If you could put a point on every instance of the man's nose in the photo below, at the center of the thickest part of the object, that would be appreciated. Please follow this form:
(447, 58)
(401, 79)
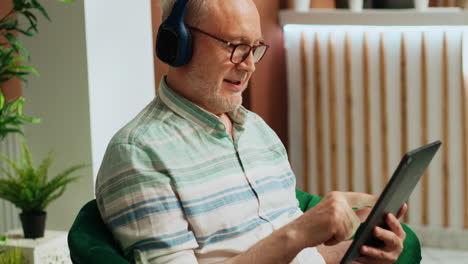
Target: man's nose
(248, 64)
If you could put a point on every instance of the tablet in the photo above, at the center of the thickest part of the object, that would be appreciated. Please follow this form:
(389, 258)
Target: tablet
(395, 194)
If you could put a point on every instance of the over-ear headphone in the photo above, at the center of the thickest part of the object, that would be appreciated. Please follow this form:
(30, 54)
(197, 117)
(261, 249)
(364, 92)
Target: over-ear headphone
(174, 42)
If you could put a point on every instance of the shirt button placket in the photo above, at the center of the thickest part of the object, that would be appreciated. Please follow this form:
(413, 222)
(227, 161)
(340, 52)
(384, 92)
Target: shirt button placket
(252, 183)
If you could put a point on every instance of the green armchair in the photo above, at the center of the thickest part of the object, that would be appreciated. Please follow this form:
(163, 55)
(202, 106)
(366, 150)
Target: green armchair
(91, 242)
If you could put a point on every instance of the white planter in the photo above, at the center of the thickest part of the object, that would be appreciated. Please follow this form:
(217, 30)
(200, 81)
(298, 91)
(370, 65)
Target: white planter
(421, 5)
(301, 5)
(355, 5)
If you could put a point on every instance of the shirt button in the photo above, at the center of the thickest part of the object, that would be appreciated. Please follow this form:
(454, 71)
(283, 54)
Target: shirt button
(221, 127)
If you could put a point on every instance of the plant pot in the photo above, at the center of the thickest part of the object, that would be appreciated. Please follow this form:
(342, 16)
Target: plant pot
(393, 3)
(33, 223)
(345, 4)
(378, 4)
(301, 5)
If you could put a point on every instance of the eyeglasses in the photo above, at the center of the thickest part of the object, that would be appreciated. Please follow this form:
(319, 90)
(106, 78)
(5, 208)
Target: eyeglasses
(240, 52)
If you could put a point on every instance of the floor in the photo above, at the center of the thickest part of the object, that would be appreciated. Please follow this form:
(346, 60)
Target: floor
(444, 256)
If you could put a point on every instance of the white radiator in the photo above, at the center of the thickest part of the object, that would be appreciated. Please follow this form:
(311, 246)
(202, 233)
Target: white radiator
(9, 218)
(361, 96)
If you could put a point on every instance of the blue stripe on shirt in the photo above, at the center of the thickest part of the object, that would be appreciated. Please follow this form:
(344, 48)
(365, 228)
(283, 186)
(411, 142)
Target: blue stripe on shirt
(287, 181)
(144, 211)
(237, 197)
(245, 227)
(157, 243)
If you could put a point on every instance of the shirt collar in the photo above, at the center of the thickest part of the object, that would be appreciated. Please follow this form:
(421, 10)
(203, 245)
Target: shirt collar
(188, 110)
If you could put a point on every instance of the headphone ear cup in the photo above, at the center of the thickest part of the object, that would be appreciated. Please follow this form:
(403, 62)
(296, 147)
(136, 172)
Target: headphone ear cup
(167, 44)
(174, 41)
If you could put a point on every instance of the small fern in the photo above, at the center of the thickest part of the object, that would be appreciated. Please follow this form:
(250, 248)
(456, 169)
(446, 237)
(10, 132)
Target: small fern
(28, 187)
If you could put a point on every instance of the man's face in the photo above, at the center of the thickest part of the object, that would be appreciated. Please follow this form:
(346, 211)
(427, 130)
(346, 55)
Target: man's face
(217, 83)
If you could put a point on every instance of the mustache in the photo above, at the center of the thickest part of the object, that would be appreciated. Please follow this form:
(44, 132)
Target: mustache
(240, 75)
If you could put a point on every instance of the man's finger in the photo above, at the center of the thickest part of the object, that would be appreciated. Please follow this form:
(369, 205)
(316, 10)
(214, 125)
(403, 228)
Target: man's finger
(359, 200)
(368, 260)
(402, 211)
(395, 226)
(378, 254)
(391, 240)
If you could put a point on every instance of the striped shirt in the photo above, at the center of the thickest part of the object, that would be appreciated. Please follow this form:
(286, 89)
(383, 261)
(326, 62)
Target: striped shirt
(174, 187)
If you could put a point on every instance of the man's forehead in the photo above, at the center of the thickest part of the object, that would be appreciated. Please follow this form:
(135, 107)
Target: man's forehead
(235, 20)
(244, 39)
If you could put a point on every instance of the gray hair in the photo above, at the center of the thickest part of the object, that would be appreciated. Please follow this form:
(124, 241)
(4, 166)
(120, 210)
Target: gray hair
(196, 10)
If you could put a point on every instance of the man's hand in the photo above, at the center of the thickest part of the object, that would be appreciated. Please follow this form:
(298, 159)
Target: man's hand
(332, 220)
(392, 238)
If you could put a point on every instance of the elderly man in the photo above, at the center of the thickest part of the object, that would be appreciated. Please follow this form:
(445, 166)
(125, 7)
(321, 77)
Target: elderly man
(197, 178)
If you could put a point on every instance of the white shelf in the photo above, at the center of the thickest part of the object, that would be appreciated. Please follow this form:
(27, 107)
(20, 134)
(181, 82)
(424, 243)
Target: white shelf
(376, 17)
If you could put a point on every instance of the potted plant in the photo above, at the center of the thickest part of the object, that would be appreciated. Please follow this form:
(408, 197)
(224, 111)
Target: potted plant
(29, 188)
(13, 54)
(32, 191)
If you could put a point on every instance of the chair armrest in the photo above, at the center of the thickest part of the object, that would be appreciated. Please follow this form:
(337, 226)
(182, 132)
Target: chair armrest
(90, 241)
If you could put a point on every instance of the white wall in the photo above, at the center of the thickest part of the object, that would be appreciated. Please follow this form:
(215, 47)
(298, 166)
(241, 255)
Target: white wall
(120, 66)
(95, 76)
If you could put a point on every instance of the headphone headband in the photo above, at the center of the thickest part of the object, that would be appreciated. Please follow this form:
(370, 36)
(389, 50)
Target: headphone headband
(178, 10)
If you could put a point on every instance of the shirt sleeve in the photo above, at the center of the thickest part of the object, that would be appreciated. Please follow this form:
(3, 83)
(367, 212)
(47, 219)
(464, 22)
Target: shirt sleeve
(138, 204)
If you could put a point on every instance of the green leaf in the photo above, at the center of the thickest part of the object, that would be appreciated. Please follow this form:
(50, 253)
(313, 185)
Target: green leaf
(30, 119)
(41, 9)
(7, 55)
(44, 166)
(18, 102)
(2, 100)
(15, 122)
(6, 108)
(30, 15)
(10, 26)
(20, 58)
(7, 173)
(17, 74)
(10, 37)
(19, 68)
(16, 168)
(19, 110)
(32, 20)
(22, 49)
(27, 157)
(67, 172)
(7, 18)
(27, 32)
